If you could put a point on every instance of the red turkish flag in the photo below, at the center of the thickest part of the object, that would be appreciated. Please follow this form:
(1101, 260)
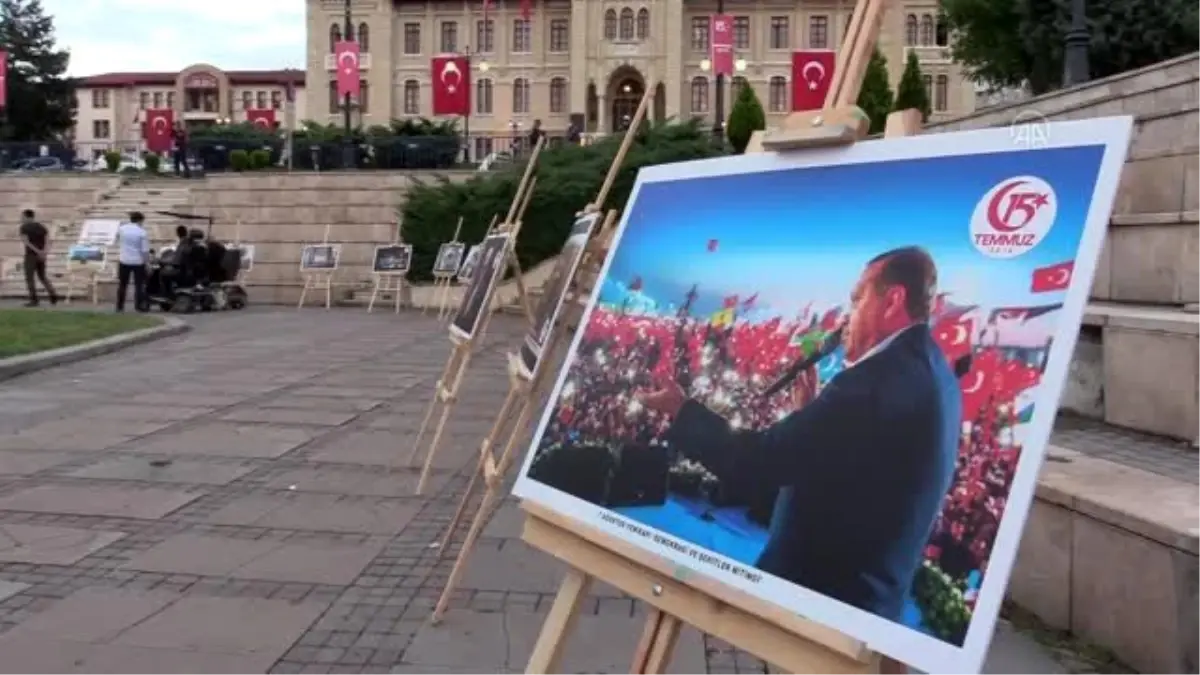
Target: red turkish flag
(1053, 278)
(812, 73)
(720, 41)
(157, 129)
(978, 385)
(3, 79)
(261, 118)
(451, 85)
(526, 9)
(954, 337)
(346, 56)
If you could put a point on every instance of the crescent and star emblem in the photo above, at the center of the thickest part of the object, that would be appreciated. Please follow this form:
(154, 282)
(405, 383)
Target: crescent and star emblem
(159, 123)
(1061, 277)
(450, 70)
(813, 82)
(976, 384)
(352, 60)
(960, 334)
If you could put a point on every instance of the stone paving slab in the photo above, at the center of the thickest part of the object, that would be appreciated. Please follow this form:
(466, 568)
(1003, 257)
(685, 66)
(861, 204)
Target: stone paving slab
(10, 588)
(177, 400)
(44, 545)
(143, 412)
(163, 471)
(325, 513)
(78, 433)
(282, 416)
(320, 403)
(369, 448)
(26, 462)
(222, 439)
(354, 481)
(99, 500)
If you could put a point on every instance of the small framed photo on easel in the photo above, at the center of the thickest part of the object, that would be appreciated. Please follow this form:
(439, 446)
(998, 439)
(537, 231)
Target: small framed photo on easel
(493, 255)
(320, 257)
(392, 259)
(449, 259)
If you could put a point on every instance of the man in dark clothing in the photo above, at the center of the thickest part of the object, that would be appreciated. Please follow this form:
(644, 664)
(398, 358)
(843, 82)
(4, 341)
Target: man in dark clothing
(535, 134)
(179, 139)
(35, 239)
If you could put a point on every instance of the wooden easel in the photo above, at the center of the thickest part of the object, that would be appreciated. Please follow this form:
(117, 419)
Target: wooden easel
(448, 385)
(677, 595)
(443, 280)
(522, 391)
(318, 280)
(391, 282)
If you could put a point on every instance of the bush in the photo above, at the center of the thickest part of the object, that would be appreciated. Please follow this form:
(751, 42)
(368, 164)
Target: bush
(745, 118)
(875, 96)
(153, 162)
(911, 92)
(569, 176)
(239, 159)
(112, 160)
(260, 158)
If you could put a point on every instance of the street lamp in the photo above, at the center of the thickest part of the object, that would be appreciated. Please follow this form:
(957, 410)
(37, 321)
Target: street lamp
(1075, 58)
(347, 141)
(706, 65)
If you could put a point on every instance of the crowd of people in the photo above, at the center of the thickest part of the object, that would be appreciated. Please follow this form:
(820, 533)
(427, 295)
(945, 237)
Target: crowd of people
(728, 367)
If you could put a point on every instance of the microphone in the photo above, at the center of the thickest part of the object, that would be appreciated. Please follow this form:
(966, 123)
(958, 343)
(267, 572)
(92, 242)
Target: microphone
(830, 344)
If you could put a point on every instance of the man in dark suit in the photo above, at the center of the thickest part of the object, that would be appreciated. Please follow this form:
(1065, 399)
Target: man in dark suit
(863, 466)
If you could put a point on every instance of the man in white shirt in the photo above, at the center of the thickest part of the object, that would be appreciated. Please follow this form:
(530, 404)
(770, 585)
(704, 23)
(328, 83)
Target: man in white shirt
(134, 246)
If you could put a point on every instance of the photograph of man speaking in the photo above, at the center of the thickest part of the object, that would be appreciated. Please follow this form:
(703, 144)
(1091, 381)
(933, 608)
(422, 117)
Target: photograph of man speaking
(861, 467)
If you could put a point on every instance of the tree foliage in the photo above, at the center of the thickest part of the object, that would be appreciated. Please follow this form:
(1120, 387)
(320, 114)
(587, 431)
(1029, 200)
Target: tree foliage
(911, 92)
(569, 176)
(746, 117)
(1015, 43)
(875, 96)
(40, 98)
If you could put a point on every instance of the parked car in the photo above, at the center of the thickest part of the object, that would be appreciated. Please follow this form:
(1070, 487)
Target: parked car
(39, 164)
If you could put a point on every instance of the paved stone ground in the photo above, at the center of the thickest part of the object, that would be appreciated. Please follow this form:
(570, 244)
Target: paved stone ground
(220, 502)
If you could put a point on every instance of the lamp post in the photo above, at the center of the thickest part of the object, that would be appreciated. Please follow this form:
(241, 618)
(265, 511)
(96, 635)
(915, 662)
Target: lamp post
(719, 105)
(347, 142)
(1075, 57)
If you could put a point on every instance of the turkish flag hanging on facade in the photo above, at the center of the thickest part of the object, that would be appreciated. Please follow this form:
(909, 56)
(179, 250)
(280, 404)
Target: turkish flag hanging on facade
(3, 79)
(451, 85)
(526, 9)
(261, 117)
(1053, 278)
(157, 129)
(720, 40)
(346, 55)
(812, 73)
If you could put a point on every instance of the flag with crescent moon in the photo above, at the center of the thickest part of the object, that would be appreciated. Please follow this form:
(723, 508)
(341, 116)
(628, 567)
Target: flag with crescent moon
(451, 84)
(1053, 277)
(720, 41)
(812, 73)
(346, 56)
(3, 79)
(264, 117)
(526, 9)
(157, 129)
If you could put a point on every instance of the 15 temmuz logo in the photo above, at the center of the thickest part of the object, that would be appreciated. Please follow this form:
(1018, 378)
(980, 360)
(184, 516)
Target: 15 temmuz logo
(1013, 217)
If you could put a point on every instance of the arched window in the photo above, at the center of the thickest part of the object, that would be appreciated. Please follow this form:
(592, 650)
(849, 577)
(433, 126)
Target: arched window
(941, 93)
(699, 94)
(778, 94)
(520, 96)
(335, 36)
(412, 97)
(483, 97)
(364, 34)
(926, 29)
(941, 36)
(558, 95)
(643, 23)
(910, 30)
(627, 24)
(736, 86)
(350, 34)
(610, 25)
(927, 82)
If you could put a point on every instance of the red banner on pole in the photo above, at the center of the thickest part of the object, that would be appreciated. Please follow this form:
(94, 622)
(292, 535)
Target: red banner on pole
(157, 129)
(264, 117)
(3, 79)
(720, 40)
(451, 85)
(812, 74)
(346, 54)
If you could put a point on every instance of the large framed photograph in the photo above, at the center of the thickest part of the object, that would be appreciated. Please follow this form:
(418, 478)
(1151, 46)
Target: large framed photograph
(93, 254)
(320, 257)
(449, 259)
(477, 295)
(392, 259)
(826, 380)
(99, 231)
(470, 260)
(554, 291)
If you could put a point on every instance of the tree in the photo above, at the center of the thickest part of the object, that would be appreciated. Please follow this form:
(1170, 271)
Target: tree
(40, 98)
(911, 92)
(745, 118)
(875, 97)
(1020, 43)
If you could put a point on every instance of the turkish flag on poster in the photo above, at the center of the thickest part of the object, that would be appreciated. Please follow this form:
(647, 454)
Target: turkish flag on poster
(812, 73)
(345, 53)
(1053, 278)
(157, 129)
(261, 118)
(3, 79)
(451, 85)
(720, 40)
(954, 337)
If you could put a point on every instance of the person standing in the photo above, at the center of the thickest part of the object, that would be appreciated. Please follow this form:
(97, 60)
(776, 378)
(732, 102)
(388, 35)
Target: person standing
(36, 241)
(134, 247)
(535, 134)
(179, 140)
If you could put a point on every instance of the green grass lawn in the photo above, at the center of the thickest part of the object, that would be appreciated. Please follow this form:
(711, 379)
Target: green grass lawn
(24, 331)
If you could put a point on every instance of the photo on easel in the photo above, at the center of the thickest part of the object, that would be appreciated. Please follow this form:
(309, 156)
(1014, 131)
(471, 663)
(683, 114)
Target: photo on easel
(247, 259)
(555, 291)
(829, 399)
(392, 259)
(449, 259)
(320, 257)
(87, 254)
(470, 261)
(99, 231)
(493, 256)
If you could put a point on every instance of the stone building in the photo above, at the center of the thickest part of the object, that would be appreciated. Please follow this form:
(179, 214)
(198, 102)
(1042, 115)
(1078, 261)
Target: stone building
(596, 57)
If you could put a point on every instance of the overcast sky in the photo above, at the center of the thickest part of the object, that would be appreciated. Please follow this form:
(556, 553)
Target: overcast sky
(169, 35)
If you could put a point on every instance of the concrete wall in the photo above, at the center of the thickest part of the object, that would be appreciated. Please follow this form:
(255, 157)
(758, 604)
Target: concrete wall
(57, 199)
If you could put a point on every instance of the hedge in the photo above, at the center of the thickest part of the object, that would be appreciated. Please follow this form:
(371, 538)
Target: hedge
(569, 176)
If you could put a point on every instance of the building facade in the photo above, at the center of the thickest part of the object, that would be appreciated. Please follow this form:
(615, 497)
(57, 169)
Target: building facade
(595, 58)
(109, 113)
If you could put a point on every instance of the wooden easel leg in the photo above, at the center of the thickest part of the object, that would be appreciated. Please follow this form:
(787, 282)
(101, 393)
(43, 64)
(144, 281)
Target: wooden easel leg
(328, 291)
(304, 291)
(460, 563)
(374, 294)
(437, 288)
(399, 292)
(559, 622)
(657, 643)
(434, 442)
(451, 363)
